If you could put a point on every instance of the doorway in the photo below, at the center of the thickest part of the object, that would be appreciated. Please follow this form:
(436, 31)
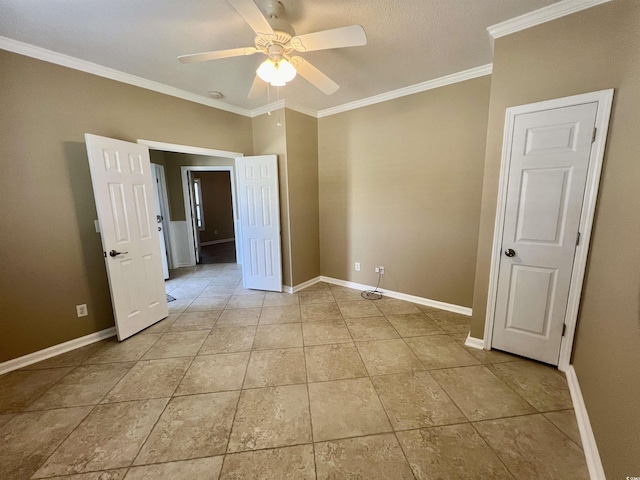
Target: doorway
(551, 164)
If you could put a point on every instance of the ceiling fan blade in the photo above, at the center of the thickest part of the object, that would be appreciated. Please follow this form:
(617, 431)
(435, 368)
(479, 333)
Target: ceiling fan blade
(257, 88)
(253, 16)
(217, 54)
(352, 36)
(314, 76)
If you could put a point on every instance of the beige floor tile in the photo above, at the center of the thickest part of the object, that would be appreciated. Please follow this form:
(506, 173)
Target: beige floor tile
(190, 427)
(5, 417)
(130, 350)
(287, 463)
(344, 294)
(228, 340)
(68, 359)
(245, 301)
(280, 314)
(370, 328)
(451, 322)
(195, 321)
(203, 304)
(346, 408)
(392, 306)
(239, 318)
(320, 312)
(85, 385)
(308, 297)
(149, 379)
(271, 417)
(491, 356)
(359, 308)
(268, 368)
(325, 333)
(177, 344)
(333, 362)
(117, 474)
(187, 291)
(31, 437)
(532, 447)
(377, 457)
(414, 325)
(415, 400)
(565, 420)
(543, 386)
(455, 451)
(480, 394)
(383, 357)
(316, 286)
(440, 351)
(240, 290)
(162, 326)
(427, 309)
(21, 387)
(460, 337)
(226, 280)
(179, 305)
(277, 299)
(198, 469)
(108, 438)
(214, 373)
(218, 290)
(287, 335)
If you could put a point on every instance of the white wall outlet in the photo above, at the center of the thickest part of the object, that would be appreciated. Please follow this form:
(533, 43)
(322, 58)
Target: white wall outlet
(357, 266)
(82, 310)
(379, 270)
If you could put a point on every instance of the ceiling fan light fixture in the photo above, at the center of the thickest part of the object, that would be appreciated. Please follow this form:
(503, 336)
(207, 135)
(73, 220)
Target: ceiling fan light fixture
(276, 73)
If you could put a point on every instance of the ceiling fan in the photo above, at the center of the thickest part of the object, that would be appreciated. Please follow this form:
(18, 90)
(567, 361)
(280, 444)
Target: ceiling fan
(278, 40)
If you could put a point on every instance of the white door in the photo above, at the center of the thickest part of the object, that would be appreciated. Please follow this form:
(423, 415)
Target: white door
(549, 162)
(194, 216)
(159, 220)
(123, 189)
(260, 222)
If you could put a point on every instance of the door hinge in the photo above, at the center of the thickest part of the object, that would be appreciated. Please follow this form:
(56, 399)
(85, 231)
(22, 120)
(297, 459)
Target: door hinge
(578, 239)
(595, 131)
(564, 329)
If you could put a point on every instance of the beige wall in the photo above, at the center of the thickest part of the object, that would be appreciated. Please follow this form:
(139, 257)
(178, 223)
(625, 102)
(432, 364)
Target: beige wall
(302, 177)
(592, 50)
(50, 255)
(400, 186)
(216, 206)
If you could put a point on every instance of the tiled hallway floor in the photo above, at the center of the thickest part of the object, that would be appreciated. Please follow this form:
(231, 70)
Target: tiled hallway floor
(240, 384)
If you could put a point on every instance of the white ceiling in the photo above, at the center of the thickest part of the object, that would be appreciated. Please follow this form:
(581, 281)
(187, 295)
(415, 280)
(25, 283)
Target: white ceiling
(409, 41)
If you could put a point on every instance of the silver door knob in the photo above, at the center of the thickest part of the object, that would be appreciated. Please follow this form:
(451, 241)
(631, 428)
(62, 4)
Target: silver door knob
(509, 252)
(113, 253)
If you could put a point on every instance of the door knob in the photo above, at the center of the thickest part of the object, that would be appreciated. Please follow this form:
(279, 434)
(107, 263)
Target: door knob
(509, 252)
(113, 253)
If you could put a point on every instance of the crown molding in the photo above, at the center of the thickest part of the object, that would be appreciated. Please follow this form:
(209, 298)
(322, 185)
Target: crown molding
(417, 88)
(77, 64)
(270, 107)
(542, 15)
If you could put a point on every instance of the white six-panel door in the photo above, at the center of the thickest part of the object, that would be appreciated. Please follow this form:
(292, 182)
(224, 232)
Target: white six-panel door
(549, 163)
(260, 222)
(123, 189)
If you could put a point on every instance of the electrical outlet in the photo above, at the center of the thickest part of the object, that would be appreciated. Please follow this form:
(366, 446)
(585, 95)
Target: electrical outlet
(357, 266)
(82, 310)
(379, 270)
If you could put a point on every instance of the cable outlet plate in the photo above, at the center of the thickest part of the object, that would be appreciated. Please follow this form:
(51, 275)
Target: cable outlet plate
(82, 310)
(380, 270)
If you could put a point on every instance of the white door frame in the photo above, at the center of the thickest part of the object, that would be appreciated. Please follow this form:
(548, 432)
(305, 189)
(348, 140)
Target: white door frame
(209, 152)
(187, 207)
(604, 98)
(164, 205)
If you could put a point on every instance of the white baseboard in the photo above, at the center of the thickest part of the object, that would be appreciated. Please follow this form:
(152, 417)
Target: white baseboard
(304, 285)
(40, 355)
(400, 296)
(591, 454)
(216, 242)
(474, 342)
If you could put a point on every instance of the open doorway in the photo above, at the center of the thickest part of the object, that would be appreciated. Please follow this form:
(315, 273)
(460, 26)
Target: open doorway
(180, 161)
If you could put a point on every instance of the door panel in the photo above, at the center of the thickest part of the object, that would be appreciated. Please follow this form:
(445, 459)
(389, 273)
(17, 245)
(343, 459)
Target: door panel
(547, 176)
(260, 222)
(123, 189)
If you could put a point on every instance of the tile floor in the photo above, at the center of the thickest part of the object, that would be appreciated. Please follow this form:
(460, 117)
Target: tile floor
(239, 384)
